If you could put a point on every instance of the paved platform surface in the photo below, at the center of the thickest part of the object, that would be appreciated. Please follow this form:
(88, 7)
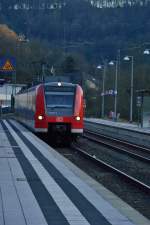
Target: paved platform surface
(130, 126)
(38, 187)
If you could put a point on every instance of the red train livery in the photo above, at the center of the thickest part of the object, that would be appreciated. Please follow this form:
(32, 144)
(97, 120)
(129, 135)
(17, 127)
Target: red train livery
(54, 108)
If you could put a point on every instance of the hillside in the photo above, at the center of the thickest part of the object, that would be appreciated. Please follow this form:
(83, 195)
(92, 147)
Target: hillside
(76, 36)
(78, 26)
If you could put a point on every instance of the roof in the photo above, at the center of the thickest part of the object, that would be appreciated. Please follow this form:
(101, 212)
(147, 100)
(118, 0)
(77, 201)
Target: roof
(143, 91)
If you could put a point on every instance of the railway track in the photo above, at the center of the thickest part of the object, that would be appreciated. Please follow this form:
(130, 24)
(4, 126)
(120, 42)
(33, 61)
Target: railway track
(127, 187)
(129, 179)
(132, 150)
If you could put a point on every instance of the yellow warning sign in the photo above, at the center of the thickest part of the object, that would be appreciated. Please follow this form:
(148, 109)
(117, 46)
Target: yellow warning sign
(7, 66)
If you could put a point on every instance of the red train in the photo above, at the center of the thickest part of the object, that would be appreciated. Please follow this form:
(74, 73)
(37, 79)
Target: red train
(54, 108)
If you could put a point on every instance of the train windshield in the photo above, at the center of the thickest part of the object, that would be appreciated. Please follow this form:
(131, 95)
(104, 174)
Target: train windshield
(59, 103)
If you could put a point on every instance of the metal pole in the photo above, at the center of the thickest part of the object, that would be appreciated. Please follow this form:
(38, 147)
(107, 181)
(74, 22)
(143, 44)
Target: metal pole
(6, 94)
(131, 94)
(116, 90)
(15, 81)
(0, 108)
(103, 91)
(138, 116)
(43, 72)
(15, 72)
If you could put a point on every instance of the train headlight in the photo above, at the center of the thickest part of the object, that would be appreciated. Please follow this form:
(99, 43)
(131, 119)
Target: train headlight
(78, 118)
(40, 117)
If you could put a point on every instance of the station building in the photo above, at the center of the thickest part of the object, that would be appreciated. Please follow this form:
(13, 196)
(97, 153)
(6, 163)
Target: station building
(6, 91)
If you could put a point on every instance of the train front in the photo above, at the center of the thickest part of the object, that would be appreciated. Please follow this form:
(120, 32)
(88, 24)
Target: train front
(63, 110)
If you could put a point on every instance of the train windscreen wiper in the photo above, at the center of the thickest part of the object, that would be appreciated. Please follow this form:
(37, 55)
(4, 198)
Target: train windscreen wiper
(59, 106)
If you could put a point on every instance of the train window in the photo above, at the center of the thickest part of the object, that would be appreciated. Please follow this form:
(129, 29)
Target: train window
(59, 100)
(59, 89)
(62, 100)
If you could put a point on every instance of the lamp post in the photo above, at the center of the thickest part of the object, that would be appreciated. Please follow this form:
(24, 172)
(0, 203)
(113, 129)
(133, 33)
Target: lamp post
(128, 58)
(116, 86)
(21, 39)
(103, 87)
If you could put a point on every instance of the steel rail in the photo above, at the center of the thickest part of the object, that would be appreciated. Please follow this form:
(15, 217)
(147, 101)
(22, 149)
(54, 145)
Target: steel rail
(144, 187)
(142, 148)
(116, 148)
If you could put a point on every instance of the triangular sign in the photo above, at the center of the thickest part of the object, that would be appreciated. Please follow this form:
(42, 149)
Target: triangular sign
(8, 66)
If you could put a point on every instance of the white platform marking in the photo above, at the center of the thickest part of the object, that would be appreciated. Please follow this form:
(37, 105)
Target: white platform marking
(68, 209)
(19, 203)
(114, 216)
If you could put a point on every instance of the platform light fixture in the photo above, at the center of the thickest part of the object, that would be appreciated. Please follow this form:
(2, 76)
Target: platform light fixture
(111, 63)
(126, 58)
(146, 52)
(99, 67)
(59, 84)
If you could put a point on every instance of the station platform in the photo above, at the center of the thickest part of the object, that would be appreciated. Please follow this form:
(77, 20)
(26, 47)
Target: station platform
(124, 125)
(38, 186)
(125, 131)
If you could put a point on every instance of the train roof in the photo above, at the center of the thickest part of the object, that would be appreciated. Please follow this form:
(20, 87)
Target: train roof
(74, 78)
(59, 84)
(48, 84)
